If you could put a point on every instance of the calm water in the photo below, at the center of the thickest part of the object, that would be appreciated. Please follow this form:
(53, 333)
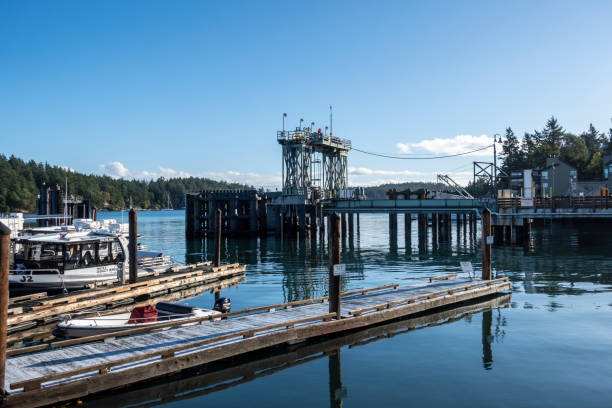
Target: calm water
(549, 345)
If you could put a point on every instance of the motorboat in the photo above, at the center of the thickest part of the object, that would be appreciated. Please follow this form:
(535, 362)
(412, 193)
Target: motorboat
(86, 255)
(143, 316)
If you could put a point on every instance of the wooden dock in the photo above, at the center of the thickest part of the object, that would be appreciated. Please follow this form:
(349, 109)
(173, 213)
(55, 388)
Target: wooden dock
(27, 312)
(225, 375)
(43, 332)
(46, 374)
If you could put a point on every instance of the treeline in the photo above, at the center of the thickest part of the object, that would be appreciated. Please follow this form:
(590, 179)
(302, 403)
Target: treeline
(20, 184)
(584, 151)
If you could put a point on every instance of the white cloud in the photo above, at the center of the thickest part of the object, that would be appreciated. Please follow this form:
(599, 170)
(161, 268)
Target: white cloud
(66, 168)
(403, 147)
(256, 179)
(171, 173)
(115, 170)
(363, 171)
(453, 145)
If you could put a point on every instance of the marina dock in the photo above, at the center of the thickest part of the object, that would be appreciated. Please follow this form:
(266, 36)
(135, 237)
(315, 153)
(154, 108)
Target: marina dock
(50, 373)
(27, 312)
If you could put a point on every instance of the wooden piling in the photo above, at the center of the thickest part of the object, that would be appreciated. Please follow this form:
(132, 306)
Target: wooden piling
(486, 247)
(218, 229)
(434, 230)
(408, 230)
(5, 249)
(133, 245)
(333, 225)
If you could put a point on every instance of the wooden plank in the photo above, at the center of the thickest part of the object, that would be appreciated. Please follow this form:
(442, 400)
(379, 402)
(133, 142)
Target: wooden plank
(442, 277)
(32, 296)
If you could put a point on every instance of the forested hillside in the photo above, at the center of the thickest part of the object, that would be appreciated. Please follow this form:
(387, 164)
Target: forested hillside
(20, 184)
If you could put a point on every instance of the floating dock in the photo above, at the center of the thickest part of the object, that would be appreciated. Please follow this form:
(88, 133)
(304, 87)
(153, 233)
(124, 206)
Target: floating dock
(27, 312)
(228, 374)
(50, 373)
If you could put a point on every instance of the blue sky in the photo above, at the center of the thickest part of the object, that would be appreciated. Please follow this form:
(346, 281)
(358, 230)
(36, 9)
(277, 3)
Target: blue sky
(141, 89)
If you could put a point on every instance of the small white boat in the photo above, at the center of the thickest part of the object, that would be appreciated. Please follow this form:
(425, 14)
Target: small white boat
(164, 312)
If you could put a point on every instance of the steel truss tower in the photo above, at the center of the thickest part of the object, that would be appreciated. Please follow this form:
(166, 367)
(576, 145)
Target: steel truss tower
(299, 148)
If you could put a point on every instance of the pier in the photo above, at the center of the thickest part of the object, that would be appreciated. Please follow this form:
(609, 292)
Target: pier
(46, 374)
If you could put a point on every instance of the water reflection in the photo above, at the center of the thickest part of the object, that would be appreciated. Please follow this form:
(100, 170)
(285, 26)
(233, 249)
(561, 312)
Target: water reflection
(228, 374)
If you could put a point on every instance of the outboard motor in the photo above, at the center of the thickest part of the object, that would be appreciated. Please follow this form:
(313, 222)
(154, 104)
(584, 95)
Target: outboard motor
(223, 305)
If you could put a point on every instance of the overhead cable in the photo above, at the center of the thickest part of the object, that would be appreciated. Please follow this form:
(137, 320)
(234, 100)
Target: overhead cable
(388, 156)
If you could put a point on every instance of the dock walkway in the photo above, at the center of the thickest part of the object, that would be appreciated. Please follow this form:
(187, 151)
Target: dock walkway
(61, 373)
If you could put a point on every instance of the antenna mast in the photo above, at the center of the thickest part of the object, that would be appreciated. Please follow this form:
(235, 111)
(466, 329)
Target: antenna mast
(331, 123)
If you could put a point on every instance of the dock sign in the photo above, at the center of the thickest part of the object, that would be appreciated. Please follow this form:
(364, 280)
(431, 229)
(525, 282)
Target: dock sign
(466, 267)
(339, 269)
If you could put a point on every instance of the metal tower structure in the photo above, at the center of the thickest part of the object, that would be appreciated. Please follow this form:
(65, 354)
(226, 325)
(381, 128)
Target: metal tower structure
(300, 164)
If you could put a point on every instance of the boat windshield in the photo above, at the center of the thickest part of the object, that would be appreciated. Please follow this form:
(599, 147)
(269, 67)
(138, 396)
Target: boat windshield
(63, 256)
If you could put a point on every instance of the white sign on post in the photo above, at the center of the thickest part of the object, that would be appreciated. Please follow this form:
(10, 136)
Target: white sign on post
(339, 269)
(466, 267)
(490, 240)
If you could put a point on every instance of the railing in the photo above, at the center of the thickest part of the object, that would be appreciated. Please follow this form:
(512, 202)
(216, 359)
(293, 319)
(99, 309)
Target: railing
(309, 136)
(571, 203)
(156, 261)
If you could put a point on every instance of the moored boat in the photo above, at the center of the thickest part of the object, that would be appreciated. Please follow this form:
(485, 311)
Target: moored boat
(91, 254)
(144, 316)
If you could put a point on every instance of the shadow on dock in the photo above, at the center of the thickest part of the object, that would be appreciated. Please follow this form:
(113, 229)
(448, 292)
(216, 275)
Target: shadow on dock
(225, 374)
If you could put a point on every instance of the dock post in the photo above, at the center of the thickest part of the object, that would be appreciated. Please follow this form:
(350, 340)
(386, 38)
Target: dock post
(218, 227)
(322, 226)
(343, 227)
(5, 249)
(393, 231)
(486, 247)
(407, 231)
(334, 228)
(434, 230)
(133, 246)
(351, 226)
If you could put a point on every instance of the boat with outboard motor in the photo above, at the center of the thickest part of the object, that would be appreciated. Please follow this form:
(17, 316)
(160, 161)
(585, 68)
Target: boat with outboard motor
(88, 254)
(143, 316)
